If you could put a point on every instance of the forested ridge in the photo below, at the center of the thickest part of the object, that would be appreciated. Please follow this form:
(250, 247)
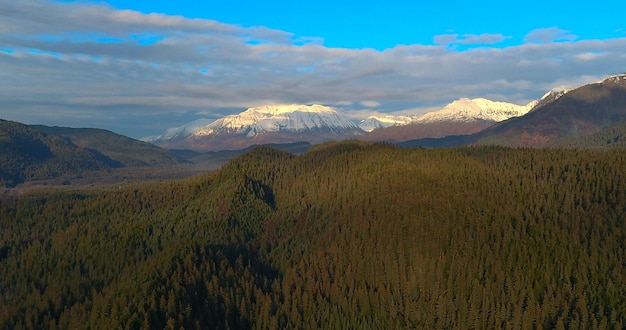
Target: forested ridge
(27, 154)
(347, 235)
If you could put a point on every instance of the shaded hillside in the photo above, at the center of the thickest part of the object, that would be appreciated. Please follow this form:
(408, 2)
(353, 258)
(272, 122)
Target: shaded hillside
(348, 235)
(29, 154)
(126, 151)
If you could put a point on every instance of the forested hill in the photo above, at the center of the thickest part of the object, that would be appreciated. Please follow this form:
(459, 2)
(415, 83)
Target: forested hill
(29, 154)
(122, 149)
(347, 235)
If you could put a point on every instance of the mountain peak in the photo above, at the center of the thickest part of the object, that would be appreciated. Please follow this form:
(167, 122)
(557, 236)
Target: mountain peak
(278, 109)
(549, 97)
(383, 121)
(276, 123)
(616, 79)
(466, 109)
(274, 118)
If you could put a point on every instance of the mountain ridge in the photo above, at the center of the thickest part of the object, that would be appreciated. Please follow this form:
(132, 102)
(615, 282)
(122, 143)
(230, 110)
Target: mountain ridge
(266, 124)
(317, 123)
(466, 109)
(581, 112)
(27, 154)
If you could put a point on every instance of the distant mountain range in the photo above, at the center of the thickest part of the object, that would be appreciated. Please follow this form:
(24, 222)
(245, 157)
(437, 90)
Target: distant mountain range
(317, 123)
(558, 114)
(590, 116)
(464, 116)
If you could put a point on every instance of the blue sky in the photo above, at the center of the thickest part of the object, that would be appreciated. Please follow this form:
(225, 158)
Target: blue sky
(385, 24)
(139, 67)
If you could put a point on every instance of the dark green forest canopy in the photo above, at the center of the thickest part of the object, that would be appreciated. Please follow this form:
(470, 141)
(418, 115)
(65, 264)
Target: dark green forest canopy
(348, 235)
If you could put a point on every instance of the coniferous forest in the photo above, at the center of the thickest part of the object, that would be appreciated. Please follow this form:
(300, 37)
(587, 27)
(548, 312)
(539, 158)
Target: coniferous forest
(349, 235)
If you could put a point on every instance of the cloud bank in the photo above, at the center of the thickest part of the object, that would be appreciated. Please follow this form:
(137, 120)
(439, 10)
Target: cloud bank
(82, 64)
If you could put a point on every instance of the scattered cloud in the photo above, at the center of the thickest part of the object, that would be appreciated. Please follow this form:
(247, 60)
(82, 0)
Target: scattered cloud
(469, 39)
(81, 64)
(547, 35)
(370, 104)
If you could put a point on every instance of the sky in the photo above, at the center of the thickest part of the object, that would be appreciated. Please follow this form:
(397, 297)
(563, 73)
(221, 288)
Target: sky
(140, 67)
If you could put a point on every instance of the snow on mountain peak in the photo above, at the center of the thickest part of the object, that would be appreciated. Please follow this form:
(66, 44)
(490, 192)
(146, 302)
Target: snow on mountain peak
(616, 79)
(465, 109)
(273, 118)
(290, 108)
(549, 97)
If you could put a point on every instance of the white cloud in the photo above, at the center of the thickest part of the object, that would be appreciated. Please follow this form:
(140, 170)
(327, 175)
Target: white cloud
(370, 104)
(469, 39)
(552, 34)
(588, 56)
(124, 68)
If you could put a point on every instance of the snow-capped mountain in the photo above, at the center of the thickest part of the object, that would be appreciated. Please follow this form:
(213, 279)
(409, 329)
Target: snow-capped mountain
(549, 97)
(317, 123)
(618, 79)
(461, 117)
(375, 122)
(463, 110)
(266, 124)
(573, 118)
(475, 109)
(274, 118)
